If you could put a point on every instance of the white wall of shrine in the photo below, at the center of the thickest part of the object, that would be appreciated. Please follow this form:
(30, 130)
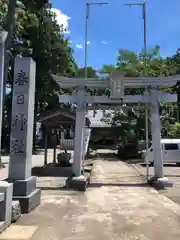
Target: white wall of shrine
(97, 117)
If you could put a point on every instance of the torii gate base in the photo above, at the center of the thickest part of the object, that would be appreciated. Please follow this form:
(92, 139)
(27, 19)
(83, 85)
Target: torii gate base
(83, 100)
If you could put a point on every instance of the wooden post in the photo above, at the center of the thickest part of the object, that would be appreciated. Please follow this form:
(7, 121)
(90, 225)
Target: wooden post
(45, 146)
(54, 155)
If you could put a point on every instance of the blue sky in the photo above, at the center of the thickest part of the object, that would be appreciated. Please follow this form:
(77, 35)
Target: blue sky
(115, 26)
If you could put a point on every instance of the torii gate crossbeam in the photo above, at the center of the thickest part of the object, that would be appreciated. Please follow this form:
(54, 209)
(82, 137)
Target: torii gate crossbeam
(129, 82)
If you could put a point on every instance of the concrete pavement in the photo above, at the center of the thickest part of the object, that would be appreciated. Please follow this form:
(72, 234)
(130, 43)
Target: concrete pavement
(172, 172)
(118, 205)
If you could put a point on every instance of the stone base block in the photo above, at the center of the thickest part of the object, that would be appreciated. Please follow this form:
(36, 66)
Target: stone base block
(16, 211)
(23, 187)
(160, 183)
(4, 225)
(29, 202)
(5, 206)
(77, 183)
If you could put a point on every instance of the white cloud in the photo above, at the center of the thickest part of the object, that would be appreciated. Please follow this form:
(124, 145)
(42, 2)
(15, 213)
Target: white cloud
(81, 46)
(62, 19)
(105, 42)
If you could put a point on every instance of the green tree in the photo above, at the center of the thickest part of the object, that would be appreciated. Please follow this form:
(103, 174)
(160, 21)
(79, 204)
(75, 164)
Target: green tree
(91, 73)
(38, 35)
(173, 64)
(107, 69)
(132, 65)
(174, 130)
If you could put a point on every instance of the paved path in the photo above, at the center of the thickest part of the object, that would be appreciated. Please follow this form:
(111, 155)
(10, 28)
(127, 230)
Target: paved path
(117, 206)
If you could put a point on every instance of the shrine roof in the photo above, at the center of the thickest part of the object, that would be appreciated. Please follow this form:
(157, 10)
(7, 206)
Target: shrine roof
(53, 119)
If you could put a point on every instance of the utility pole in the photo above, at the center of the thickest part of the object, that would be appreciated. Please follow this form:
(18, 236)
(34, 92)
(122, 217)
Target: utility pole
(88, 4)
(143, 6)
(3, 37)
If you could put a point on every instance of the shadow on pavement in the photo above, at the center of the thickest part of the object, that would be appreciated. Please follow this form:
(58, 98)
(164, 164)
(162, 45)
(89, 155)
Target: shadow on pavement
(64, 188)
(134, 161)
(60, 190)
(94, 185)
(52, 171)
(165, 165)
(168, 175)
(107, 156)
(53, 188)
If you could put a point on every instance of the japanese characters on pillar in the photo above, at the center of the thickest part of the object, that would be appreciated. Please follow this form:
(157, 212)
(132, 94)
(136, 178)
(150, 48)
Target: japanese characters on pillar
(22, 115)
(19, 115)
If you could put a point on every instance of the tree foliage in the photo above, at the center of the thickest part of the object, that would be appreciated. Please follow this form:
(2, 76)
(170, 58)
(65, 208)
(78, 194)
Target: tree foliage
(91, 73)
(38, 35)
(131, 122)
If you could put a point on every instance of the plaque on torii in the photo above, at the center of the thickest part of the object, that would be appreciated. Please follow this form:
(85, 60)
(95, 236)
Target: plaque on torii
(117, 86)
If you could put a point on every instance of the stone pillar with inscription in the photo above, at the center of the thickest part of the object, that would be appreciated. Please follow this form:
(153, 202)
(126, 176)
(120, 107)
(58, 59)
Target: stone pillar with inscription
(21, 140)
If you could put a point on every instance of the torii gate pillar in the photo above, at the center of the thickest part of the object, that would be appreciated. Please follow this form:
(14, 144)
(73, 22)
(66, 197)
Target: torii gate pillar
(79, 141)
(78, 181)
(156, 135)
(79, 134)
(158, 179)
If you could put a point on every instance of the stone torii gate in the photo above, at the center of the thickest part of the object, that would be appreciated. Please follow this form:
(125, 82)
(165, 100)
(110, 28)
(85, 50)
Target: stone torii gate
(117, 83)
